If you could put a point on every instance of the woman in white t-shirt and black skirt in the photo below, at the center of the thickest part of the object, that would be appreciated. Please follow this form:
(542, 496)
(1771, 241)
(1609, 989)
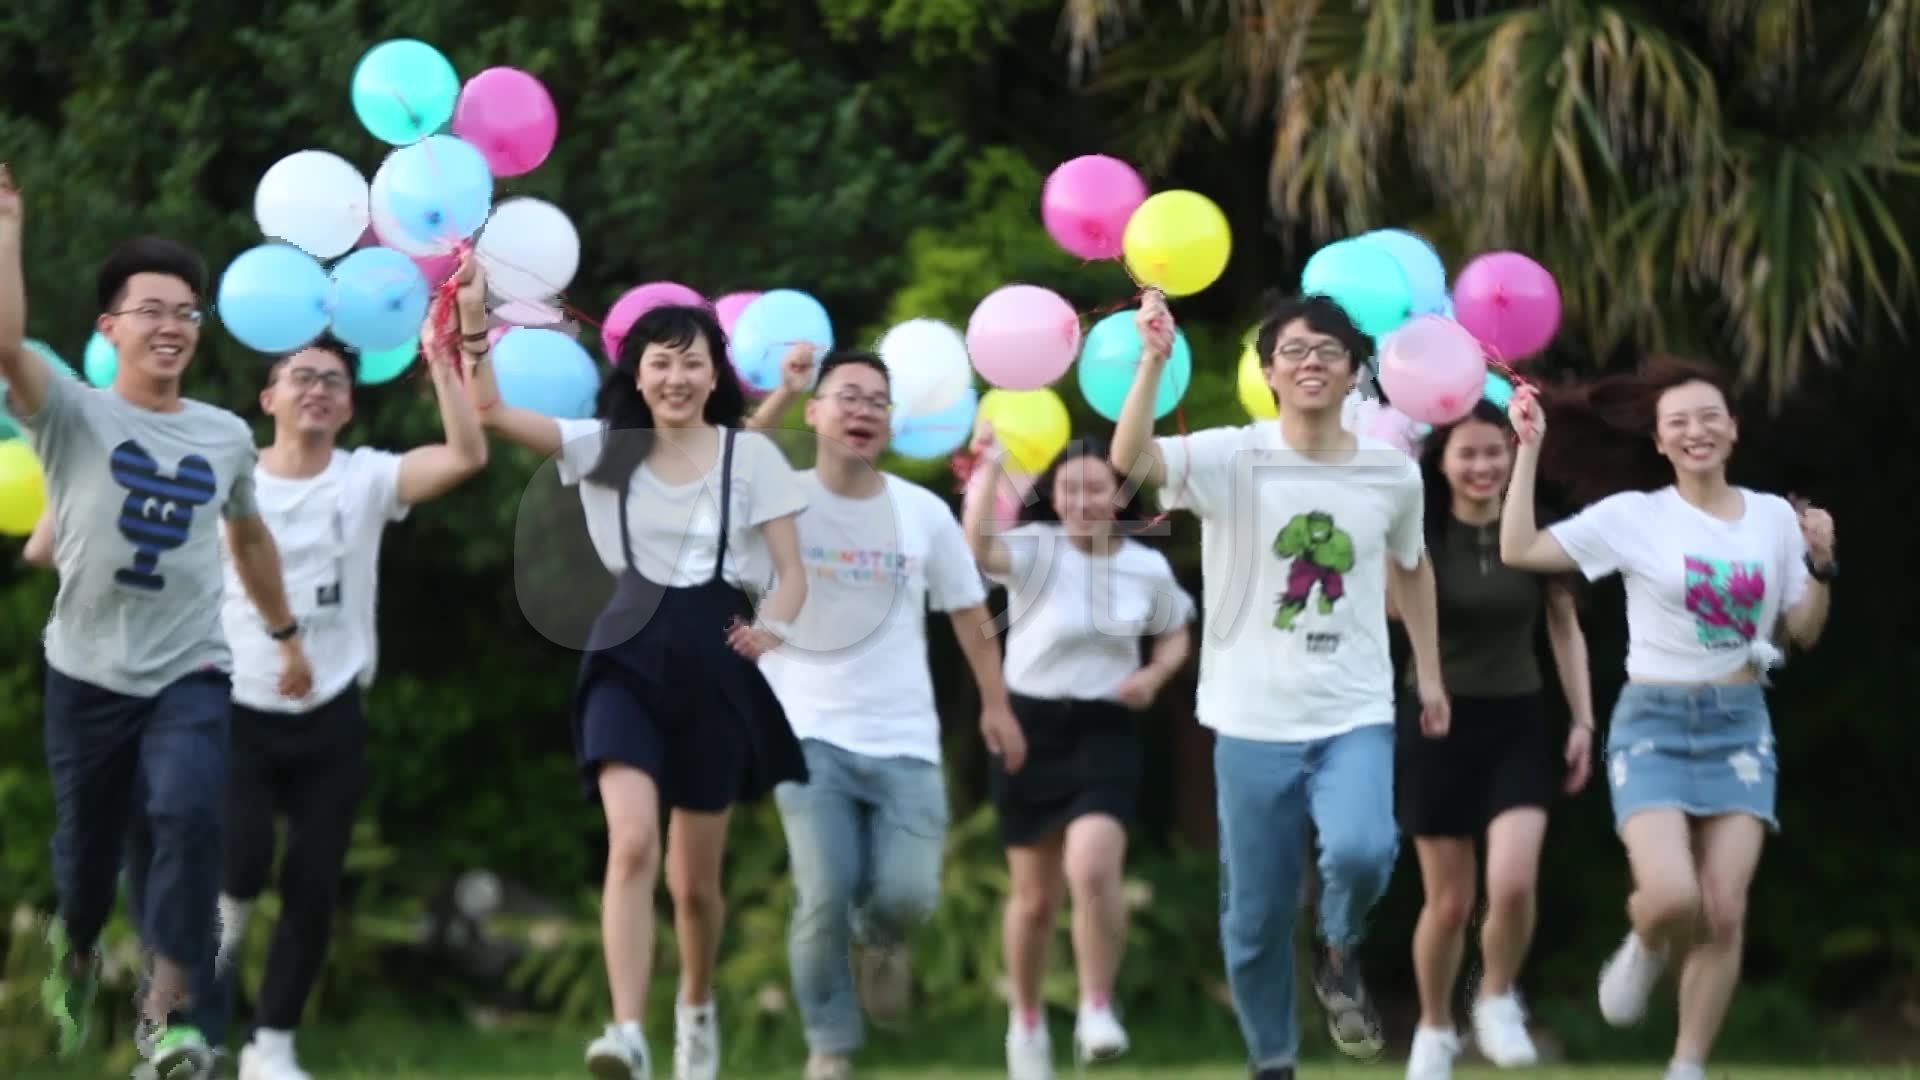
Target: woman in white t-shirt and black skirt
(1081, 597)
(1713, 572)
(670, 706)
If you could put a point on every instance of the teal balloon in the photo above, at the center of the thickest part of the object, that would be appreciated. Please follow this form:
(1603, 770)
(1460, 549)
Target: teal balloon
(935, 435)
(1111, 356)
(385, 365)
(404, 90)
(545, 371)
(52, 358)
(379, 299)
(1364, 280)
(274, 298)
(1499, 391)
(1426, 274)
(100, 361)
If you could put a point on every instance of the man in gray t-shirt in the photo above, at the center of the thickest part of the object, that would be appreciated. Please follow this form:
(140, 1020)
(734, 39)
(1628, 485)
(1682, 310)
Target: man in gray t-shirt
(137, 702)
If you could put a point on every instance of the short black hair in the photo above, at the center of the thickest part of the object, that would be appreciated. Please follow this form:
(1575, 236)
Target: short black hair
(840, 358)
(1323, 315)
(326, 343)
(149, 255)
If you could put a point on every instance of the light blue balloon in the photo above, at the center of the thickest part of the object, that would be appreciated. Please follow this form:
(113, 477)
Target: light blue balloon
(1111, 356)
(379, 299)
(1364, 280)
(1499, 391)
(404, 90)
(769, 326)
(545, 371)
(436, 191)
(1426, 274)
(100, 361)
(935, 435)
(273, 298)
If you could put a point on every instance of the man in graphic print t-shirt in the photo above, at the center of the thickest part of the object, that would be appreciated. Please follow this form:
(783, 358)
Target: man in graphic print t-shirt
(866, 830)
(1302, 523)
(137, 667)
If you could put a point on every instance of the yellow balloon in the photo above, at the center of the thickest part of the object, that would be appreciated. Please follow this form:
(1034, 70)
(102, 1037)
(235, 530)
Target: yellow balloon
(1177, 242)
(1255, 395)
(1032, 424)
(23, 489)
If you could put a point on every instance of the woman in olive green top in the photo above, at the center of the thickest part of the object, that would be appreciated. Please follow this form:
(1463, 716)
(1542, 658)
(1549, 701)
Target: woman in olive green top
(1498, 767)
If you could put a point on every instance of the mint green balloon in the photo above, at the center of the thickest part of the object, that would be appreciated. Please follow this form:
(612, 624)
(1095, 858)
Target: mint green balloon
(387, 364)
(404, 90)
(52, 358)
(100, 361)
(1364, 280)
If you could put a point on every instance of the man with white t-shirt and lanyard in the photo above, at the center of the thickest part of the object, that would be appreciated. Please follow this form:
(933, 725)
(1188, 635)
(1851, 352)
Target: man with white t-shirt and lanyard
(306, 759)
(867, 829)
(1304, 529)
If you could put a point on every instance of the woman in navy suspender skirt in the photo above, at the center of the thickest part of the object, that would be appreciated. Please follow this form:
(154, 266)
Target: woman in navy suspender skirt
(669, 706)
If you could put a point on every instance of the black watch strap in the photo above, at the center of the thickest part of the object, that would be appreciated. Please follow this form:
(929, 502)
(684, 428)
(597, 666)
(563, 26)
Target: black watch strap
(1824, 572)
(285, 632)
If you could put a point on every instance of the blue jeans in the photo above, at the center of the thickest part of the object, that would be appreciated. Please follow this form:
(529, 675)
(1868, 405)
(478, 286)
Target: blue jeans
(865, 835)
(140, 780)
(1268, 791)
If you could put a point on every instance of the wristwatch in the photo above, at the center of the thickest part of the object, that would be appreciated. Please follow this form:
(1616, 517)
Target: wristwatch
(1823, 572)
(286, 632)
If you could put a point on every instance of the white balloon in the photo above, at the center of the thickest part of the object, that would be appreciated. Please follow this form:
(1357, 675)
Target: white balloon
(927, 364)
(529, 249)
(316, 201)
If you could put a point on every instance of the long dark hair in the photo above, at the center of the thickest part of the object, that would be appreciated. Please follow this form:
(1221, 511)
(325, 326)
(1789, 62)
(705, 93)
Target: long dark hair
(1435, 488)
(1041, 509)
(621, 408)
(1600, 431)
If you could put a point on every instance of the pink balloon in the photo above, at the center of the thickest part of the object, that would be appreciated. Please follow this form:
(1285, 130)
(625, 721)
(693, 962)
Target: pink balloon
(1433, 369)
(436, 268)
(368, 239)
(1509, 302)
(529, 313)
(494, 335)
(1087, 202)
(509, 117)
(636, 302)
(729, 307)
(1023, 337)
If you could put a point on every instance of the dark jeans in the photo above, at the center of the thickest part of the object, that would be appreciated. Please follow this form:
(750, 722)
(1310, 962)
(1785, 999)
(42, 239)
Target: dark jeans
(139, 779)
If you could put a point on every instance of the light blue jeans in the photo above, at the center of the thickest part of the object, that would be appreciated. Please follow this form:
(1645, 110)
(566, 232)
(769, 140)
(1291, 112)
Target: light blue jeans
(865, 835)
(1268, 791)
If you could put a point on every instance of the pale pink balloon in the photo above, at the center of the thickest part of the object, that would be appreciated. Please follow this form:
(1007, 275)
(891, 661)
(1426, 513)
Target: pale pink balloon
(436, 268)
(530, 313)
(1509, 302)
(1087, 202)
(1433, 369)
(509, 117)
(1023, 337)
(636, 302)
(729, 307)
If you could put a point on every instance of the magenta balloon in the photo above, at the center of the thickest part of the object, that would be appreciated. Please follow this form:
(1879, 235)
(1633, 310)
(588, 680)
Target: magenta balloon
(729, 307)
(1086, 204)
(1433, 369)
(637, 302)
(1023, 337)
(509, 116)
(1509, 302)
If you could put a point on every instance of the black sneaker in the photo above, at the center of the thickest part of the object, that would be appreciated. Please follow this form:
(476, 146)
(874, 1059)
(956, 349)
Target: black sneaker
(1352, 1020)
(1274, 1072)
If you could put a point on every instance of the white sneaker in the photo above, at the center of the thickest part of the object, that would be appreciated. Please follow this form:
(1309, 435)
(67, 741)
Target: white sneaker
(696, 1042)
(1500, 1031)
(1627, 981)
(1433, 1052)
(270, 1062)
(829, 1067)
(1029, 1052)
(1097, 1035)
(1681, 1071)
(619, 1054)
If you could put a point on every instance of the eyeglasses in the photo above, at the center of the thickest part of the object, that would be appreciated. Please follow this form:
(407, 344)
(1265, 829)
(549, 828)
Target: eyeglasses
(1331, 352)
(156, 312)
(854, 399)
(304, 379)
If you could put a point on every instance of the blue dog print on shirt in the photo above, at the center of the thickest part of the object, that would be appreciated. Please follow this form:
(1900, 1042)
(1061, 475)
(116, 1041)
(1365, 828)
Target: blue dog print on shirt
(158, 513)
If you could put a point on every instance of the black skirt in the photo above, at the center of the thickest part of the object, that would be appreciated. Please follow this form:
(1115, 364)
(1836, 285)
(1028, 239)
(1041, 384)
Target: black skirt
(1083, 757)
(1499, 754)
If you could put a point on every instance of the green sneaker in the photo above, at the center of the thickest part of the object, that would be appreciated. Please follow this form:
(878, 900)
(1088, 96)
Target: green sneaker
(180, 1053)
(68, 998)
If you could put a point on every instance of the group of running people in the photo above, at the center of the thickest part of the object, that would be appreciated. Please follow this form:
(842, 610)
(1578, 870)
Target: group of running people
(767, 636)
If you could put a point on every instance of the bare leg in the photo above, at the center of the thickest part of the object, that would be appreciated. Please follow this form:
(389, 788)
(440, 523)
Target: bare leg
(1513, 870)
(1728, 850)
(631, 802)
(1439, 937)
(1665, 904)
(1096, 851)
(1026, 929)
(696, 846)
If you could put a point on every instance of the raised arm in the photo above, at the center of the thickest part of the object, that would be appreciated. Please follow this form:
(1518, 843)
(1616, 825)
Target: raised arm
(428, 472)
(24, 370)
(256, 561)
(976, 512)
(1134, 454)
(522, 427)
(1523, 545)
(796, 375)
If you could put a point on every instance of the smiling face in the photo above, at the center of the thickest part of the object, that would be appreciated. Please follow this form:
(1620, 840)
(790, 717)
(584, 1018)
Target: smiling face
(310, 393)
(1694, 429)
(852, 411)
(1309, 371)
(1477, 460)
(1084, 493)
(154, 326)
(675, 381)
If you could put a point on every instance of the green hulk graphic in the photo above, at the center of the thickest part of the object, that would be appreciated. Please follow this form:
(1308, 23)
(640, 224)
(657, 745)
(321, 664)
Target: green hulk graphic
(1321, 553)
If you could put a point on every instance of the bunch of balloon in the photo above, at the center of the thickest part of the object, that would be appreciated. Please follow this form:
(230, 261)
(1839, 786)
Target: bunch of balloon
(934, 402)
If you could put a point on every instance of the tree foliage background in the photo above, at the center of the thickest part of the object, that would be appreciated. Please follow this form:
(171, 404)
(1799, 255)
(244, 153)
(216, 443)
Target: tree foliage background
(1735, 179)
